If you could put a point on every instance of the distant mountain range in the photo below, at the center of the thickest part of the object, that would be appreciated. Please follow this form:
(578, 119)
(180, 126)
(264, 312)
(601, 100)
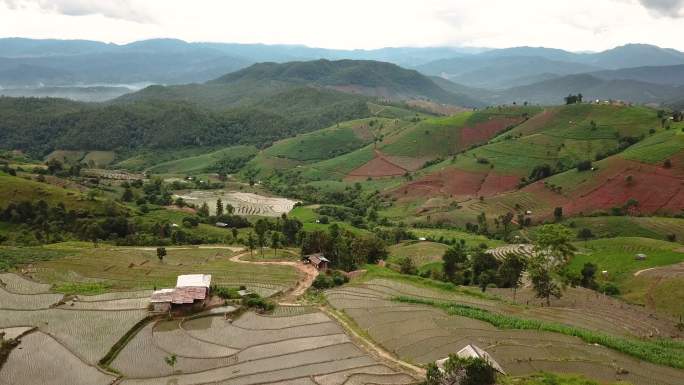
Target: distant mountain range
(373, 79)
(95, 71)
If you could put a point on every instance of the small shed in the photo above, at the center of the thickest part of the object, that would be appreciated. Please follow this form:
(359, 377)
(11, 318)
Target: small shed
(640, 257)
(472, 351)
(319, 261)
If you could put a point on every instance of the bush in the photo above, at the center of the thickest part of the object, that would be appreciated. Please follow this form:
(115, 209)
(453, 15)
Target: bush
(254, 301)
(225, 292)
(610, 288)
(584, 165)
(328, 280)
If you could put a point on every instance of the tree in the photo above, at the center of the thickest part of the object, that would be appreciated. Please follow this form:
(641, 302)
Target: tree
(461, 371)
(406, 266)
(219, 207)
(558, 213)
(543, 282)
(260, 227)
(554, 243)
(234, 232)
(203, 210)
(510, 272)
(275, 242)
(127, 195)
(453, 258)
(589, 276)
(485, 278)
(481, 261)
(251, 243)
(161, 253)
(584, 234)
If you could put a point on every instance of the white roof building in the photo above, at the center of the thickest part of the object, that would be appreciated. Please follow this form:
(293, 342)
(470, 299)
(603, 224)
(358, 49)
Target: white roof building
(194, 280)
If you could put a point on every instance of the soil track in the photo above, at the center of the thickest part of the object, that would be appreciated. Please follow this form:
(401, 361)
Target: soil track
(310, 273)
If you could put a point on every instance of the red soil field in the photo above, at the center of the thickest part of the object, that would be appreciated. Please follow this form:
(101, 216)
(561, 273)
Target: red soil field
(378, 167)
(655, 188)
(482, 132)
(458, 184)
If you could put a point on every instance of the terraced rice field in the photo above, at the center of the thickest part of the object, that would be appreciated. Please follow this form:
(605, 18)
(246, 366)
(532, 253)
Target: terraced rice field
(523, 250)
(422, 334)
(44, 360)
(302, 349)
(243, 203)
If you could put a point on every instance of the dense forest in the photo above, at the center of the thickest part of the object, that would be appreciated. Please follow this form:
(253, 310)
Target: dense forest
(39, 126)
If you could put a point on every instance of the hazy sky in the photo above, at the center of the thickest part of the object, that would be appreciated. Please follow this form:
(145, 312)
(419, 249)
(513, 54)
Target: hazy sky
(573, 25)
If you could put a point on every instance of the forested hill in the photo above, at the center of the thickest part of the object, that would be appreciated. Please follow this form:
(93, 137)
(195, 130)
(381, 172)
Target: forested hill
(42, 125)
(358, 77)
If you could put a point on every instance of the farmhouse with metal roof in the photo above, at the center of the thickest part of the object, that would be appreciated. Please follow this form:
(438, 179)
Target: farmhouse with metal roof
(190, 289)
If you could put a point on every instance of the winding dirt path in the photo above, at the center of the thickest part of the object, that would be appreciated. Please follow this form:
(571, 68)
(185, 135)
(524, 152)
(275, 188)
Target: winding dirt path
(310, 273)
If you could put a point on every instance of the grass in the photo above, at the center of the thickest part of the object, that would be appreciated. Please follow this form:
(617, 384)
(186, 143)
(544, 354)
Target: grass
(17, 189)
(629, 226)
(617, 256)
(121, 268)
(327, 143)
(200, 163)
(419, 252)
(672, 355)
(85, 288)
(270, 256)
(13, 256)
(656, 148)
(551, 379)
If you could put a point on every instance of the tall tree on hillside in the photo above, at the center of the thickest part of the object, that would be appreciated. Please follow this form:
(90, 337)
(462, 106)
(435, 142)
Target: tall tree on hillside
(219, 207)
(251, 243)
(554, 242)
(275, 242)
(453, 258)
(203, 210)
(510, 272)
(261, 227)
(544, 283)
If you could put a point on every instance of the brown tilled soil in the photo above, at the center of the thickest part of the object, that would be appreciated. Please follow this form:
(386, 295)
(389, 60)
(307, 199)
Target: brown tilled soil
(378, 167)
(482, 132)
(458, 184)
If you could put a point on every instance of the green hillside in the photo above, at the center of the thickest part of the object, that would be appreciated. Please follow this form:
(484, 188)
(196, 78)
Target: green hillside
(206, 162)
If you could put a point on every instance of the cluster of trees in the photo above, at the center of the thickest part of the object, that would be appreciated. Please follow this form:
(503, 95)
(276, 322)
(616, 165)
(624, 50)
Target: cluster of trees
(345, 250)
(573, 99)
(547, 268)
(43, 223)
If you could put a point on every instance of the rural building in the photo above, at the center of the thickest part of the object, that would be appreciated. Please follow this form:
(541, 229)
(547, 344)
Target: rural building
(640, 257)
(190, 289)
(318, 261)
(472, 351)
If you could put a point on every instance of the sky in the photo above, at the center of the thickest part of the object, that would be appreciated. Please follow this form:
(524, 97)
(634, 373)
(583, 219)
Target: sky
(577, 25)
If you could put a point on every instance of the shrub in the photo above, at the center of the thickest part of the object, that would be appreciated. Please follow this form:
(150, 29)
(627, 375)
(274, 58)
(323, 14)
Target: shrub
(225, 292)
(610, 288)
(254, 301)
(584, 165)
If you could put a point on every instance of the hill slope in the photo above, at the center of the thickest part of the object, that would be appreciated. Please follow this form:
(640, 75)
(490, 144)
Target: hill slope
(359, 77)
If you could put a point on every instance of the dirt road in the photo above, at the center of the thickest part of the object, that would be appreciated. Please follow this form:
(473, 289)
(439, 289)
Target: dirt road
(310, 273)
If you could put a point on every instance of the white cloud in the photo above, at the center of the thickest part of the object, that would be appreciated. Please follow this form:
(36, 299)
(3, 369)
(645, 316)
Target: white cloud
(576, 25)
(669, 8)
(116, 9)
